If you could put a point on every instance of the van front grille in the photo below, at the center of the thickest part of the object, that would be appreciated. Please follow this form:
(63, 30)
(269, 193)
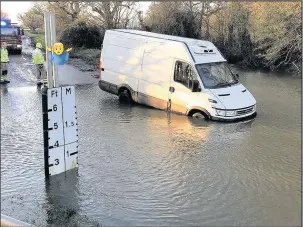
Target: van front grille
(245, 111)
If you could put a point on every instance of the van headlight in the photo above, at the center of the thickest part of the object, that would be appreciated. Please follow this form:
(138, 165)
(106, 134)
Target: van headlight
(226, 113)
(221, 112)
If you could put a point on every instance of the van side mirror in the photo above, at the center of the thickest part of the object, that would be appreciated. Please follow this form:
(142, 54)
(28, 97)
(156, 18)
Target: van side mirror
(237, 75)
(195, 87)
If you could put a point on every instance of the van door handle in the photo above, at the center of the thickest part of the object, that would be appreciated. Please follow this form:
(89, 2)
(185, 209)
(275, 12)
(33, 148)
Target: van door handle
(171, 89)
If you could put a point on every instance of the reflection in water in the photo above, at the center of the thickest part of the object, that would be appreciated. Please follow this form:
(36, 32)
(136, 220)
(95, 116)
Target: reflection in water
(4, 90)
(62, 196)
(160, 166)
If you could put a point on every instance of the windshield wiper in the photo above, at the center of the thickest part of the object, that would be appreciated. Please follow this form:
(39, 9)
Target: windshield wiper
(222, 84)
(234, 82)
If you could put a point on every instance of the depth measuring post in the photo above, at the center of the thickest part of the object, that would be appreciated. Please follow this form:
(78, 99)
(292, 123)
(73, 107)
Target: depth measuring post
(60, 125)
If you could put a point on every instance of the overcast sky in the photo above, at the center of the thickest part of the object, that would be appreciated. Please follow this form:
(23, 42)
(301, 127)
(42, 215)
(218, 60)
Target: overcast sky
(13, 8)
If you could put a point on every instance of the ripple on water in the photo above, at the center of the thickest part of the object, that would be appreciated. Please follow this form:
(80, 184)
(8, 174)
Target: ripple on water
(140, 166)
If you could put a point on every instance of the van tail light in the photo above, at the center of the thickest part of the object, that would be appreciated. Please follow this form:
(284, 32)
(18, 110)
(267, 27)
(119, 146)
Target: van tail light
(100, 69)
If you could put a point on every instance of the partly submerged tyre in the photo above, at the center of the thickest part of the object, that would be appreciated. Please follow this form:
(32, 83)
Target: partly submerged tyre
(200, 115)
(125, 96)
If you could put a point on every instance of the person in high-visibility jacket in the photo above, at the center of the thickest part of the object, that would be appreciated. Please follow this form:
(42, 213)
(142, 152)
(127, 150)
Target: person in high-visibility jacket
(38, 60)
(4, 63)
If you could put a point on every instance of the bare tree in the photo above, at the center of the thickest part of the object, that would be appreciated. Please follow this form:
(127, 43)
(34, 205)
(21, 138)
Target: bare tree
(67, 13)
(33, 18)
(114, 14)
(202, 11)
(171, 18)
(70, 9)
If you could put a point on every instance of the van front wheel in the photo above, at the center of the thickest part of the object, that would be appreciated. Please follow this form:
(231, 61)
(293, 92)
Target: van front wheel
(125, 96)
(200, 115)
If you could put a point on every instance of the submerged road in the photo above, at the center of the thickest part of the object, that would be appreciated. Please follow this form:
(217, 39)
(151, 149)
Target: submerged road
(22, 73)
(142, 167)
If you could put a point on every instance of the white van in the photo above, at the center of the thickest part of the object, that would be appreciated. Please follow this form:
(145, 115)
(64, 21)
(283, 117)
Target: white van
(176, 74)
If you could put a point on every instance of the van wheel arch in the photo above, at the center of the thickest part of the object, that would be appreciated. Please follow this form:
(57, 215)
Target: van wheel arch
(197, 113)
(124, 94)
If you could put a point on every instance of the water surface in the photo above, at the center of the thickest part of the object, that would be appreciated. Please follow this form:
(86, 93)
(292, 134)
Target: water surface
(142, 167)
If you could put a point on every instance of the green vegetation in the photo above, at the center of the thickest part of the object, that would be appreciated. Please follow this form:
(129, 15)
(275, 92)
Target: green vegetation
(254, 35)
(36, 38)
(82, 35)
(86, 41)
(90, 56)
(250, 34)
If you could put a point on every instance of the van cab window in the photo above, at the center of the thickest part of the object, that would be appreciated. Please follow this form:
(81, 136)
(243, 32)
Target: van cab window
(184, 74)
(216, 75)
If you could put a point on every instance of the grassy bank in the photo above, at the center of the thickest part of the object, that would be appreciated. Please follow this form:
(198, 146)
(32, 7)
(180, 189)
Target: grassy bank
(89, 56)
(36, 38)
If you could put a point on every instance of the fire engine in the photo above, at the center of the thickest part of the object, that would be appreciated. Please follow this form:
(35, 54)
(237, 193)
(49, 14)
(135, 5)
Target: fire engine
(11, 34)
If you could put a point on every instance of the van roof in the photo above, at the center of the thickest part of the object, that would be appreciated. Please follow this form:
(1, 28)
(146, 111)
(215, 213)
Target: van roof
(188, 41)
(200, 50)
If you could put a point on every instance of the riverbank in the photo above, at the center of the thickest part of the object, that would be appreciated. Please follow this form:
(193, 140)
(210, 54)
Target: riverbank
(87, 60)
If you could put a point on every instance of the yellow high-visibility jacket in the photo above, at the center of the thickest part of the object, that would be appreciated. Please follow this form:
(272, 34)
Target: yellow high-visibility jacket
(38, 57)
(4, 55)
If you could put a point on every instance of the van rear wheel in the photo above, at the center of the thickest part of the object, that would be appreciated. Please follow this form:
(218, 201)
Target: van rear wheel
(125, 96)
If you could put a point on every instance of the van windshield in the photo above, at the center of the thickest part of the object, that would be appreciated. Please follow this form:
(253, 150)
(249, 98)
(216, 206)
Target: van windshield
(216, 75)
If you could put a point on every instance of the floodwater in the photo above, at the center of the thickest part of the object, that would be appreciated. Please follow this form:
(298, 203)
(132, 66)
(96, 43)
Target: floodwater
(142, 167)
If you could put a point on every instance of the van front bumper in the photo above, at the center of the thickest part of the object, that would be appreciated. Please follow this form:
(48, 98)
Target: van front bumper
(234, 119)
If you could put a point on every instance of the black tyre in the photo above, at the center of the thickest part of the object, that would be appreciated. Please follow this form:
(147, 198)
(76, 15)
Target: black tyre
(18, 51)
(200, 115)
(125, 96)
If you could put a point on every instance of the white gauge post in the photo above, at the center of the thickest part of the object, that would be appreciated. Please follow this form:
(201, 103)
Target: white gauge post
(60, 123)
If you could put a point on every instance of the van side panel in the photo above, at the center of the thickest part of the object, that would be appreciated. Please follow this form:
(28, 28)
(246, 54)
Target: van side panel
(122, 64)
(144, 64)
(154, 83)
(157, 70)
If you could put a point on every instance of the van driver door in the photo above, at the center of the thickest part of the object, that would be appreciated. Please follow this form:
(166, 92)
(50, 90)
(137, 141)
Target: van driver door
(182, 84)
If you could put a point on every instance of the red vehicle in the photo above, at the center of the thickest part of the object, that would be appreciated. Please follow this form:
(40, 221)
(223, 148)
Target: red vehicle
(11, 34)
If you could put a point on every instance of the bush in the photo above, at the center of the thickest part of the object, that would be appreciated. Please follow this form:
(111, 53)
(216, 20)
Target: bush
(83, 35)
(90, 56)
(181, 23)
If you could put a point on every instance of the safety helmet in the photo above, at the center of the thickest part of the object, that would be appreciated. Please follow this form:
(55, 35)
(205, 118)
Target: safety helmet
(39, 45)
